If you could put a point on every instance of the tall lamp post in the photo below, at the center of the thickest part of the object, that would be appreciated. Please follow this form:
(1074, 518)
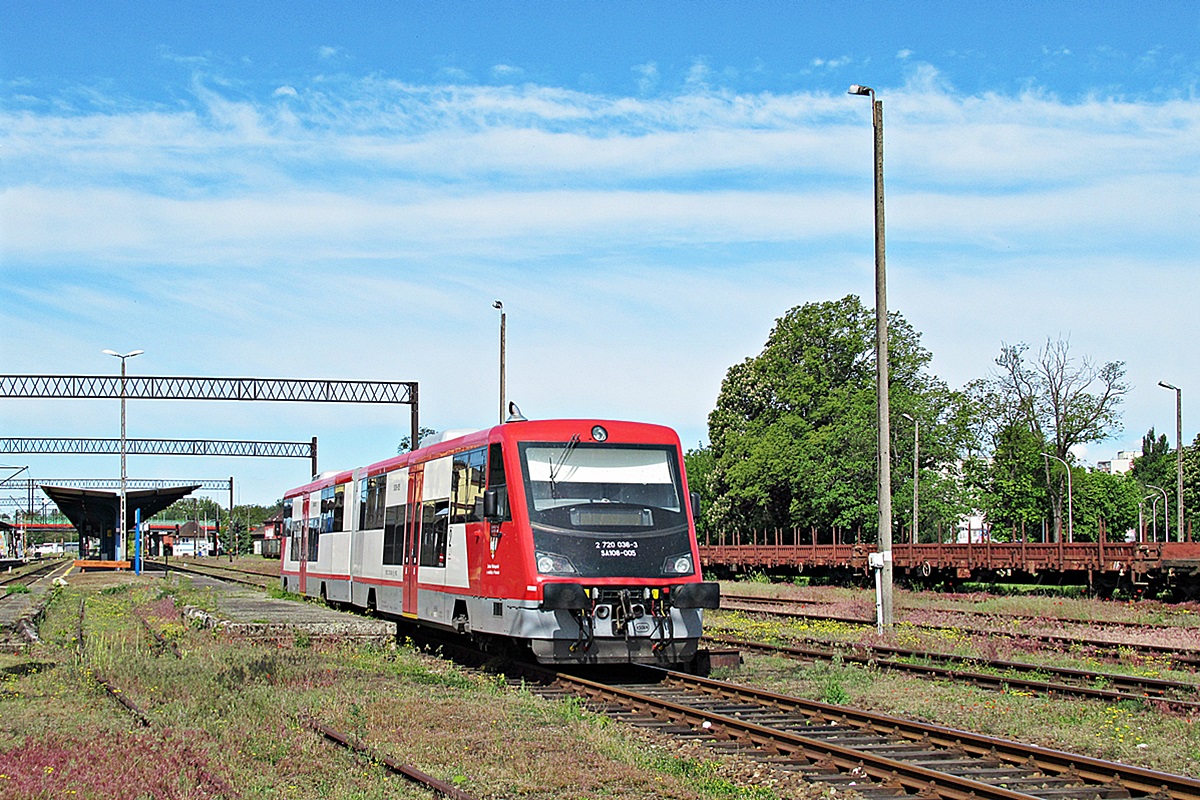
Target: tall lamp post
(1166, 512)
(1178, 459)
(916, 470)
(499, 305)
(121, 524)
(1153, 517)
(881, 369)
(1070, 512)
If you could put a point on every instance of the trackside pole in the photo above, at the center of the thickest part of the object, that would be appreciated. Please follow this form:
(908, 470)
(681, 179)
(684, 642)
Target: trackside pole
(137, 541)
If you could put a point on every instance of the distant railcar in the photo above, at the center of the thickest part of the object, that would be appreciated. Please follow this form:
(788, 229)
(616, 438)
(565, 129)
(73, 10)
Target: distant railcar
(572, 539)
(271, 548)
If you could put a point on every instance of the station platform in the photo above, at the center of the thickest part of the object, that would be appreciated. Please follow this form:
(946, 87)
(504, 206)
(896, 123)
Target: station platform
(248, 613)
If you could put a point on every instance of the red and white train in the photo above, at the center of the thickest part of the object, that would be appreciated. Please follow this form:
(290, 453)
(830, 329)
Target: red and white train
(574, 539)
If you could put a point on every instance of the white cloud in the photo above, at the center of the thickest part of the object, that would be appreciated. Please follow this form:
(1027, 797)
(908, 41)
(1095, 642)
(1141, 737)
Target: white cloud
(506, 72)
(832, 63)
(648, 77)
(363, 227)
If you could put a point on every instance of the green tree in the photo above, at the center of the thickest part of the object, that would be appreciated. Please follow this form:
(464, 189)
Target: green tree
(1099, 496)
(406, 441)
(793, 432)
(1063, 401)
(195, 508)
(698, 464)
(1011, 483)
(1156, 465)
(1191, 486)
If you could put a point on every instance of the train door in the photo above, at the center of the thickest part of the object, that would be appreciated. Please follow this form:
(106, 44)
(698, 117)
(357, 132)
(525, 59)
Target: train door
(304, 546)
(412, 540)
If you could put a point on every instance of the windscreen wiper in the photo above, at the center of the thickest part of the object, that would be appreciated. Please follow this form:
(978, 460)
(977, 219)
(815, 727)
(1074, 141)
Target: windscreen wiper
(555, 468)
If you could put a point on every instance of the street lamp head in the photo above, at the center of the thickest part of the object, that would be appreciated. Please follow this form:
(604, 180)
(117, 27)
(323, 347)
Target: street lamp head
(1166, 385)
(908, 417)
(498, 304)
(122, 355)
(866, 91)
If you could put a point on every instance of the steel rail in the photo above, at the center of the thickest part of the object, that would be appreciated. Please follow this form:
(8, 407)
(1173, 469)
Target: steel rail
(1152, 687)
(1180, 655)
(997, 681)
(162, 642)
(202, 772)
(1093, 770)
(404, 770)
(1116, 623)
(914, 778)
(194, 570)
(30, 574)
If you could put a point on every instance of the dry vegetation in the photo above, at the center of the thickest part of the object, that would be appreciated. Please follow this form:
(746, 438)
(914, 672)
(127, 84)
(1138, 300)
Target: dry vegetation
(230, 709)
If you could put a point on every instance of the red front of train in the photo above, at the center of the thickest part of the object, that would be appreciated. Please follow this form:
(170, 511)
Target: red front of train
(574, 539)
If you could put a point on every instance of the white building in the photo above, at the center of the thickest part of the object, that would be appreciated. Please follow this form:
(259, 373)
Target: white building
(1121, 464)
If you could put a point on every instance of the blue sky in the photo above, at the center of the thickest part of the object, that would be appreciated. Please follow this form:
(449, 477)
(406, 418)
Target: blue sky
(341, 190)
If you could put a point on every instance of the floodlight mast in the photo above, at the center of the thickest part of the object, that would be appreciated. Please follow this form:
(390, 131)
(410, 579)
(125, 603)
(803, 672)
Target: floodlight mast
(1178, 458)
(121, 522)
(884, 455)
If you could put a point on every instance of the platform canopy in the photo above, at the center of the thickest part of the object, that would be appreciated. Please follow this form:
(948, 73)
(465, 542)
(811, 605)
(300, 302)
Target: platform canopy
(94, 512)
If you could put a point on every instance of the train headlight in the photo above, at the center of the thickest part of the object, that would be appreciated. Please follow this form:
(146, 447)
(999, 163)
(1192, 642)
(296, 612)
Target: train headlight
(678, 565)
(554, 564)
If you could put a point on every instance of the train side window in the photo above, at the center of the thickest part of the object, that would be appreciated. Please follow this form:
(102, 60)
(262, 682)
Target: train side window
(339, 507)
(371, 510)
(496, 477)
(291, 531)
(327, 502)
(314, 537)
(395, 519)
(466, 486)
(435, 522)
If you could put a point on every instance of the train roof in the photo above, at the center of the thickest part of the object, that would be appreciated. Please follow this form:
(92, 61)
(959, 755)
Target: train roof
(528, 430)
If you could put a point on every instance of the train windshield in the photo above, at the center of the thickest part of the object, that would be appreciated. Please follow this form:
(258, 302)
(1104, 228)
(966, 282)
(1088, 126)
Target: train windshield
(606, 510)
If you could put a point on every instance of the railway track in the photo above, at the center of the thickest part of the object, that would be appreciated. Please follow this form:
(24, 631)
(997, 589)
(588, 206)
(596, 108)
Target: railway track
(20, 609)
(207, 777)
(1006, 675)
(1185, 657)
(240, 576)
(987, 614)
(875, 754)
(407, 771)
(29, 575)
(972, 612)
(203, 775)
